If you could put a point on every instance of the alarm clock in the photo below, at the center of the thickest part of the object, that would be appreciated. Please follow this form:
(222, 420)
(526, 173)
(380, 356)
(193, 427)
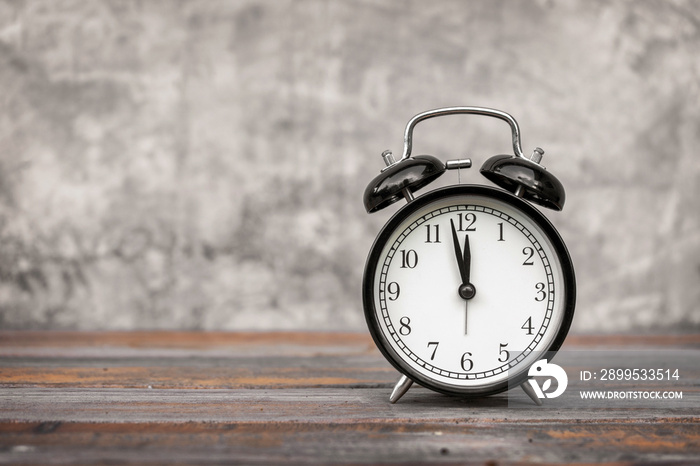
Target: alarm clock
(467, 286)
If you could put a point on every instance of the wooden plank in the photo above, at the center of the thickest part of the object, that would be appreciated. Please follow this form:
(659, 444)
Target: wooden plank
(198, 370)
(183, 340)
(305, 398)
(240, 340)
(190, 360)
(196, 377)
(350, 443)
(325, 426)
(323, 405)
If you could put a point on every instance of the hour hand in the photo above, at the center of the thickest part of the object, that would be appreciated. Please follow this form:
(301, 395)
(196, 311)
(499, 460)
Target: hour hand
(466, 289)
(467, 261)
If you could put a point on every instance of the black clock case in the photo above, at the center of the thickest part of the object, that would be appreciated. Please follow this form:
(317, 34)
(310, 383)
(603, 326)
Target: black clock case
(419, 202)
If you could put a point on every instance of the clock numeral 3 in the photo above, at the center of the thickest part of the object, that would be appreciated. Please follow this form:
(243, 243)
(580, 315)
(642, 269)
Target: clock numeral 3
(409, 259)
(541, 294)
(467, 364)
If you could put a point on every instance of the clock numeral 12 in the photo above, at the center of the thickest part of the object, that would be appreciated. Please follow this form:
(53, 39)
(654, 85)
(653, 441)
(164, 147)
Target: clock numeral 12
(468, 220)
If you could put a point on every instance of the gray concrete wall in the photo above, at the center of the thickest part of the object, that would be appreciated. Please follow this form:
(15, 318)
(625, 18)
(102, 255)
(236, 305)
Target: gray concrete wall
(200, 164)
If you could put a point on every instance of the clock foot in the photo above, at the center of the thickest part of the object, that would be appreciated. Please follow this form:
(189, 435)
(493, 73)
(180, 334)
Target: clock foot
(530, 392)
(400, 389)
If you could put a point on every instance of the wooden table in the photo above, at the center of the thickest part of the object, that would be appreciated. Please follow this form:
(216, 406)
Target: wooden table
(298, 398)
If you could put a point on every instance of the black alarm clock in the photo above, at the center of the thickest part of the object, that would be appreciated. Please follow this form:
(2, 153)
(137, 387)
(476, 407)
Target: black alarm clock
(467, 286)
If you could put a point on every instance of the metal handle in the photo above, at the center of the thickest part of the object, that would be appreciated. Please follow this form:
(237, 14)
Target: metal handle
(408, 135)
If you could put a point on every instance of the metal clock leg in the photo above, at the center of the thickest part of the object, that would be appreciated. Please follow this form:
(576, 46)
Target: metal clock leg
(530, 392)
(400, 389)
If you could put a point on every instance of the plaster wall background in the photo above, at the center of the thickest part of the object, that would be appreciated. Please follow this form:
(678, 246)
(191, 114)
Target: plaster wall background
(200, 164)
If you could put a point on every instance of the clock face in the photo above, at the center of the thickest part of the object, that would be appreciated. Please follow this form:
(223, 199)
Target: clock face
(466, 287)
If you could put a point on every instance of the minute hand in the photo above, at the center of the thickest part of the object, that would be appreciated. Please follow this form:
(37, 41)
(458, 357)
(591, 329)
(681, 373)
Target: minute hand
(462, 261)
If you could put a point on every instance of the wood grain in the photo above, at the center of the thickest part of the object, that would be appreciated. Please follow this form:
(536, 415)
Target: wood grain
(301, 398)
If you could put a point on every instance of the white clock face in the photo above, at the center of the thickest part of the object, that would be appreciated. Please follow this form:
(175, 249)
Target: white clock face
(468, 290)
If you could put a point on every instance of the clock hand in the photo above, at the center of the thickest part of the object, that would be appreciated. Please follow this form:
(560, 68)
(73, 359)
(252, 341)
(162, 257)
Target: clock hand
(466, 261)
(458, 253)
(466, 314)
(466, 289)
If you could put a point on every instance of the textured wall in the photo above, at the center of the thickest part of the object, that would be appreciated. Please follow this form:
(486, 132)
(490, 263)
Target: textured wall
(200, 164)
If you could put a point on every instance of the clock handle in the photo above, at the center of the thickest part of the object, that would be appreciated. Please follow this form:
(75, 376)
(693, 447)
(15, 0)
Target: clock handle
(515, 129)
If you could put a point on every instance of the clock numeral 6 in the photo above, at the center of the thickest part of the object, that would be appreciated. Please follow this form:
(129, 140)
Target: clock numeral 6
(394, 291)
(467, 364)
(405, 328)
(409, 259)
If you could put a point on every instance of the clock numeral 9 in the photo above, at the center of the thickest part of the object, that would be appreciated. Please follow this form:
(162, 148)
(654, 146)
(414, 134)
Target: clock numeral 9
(467, 362)
(405, 328)
(541, 294)
(394, 290)
(409, 259)
(466, 222)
